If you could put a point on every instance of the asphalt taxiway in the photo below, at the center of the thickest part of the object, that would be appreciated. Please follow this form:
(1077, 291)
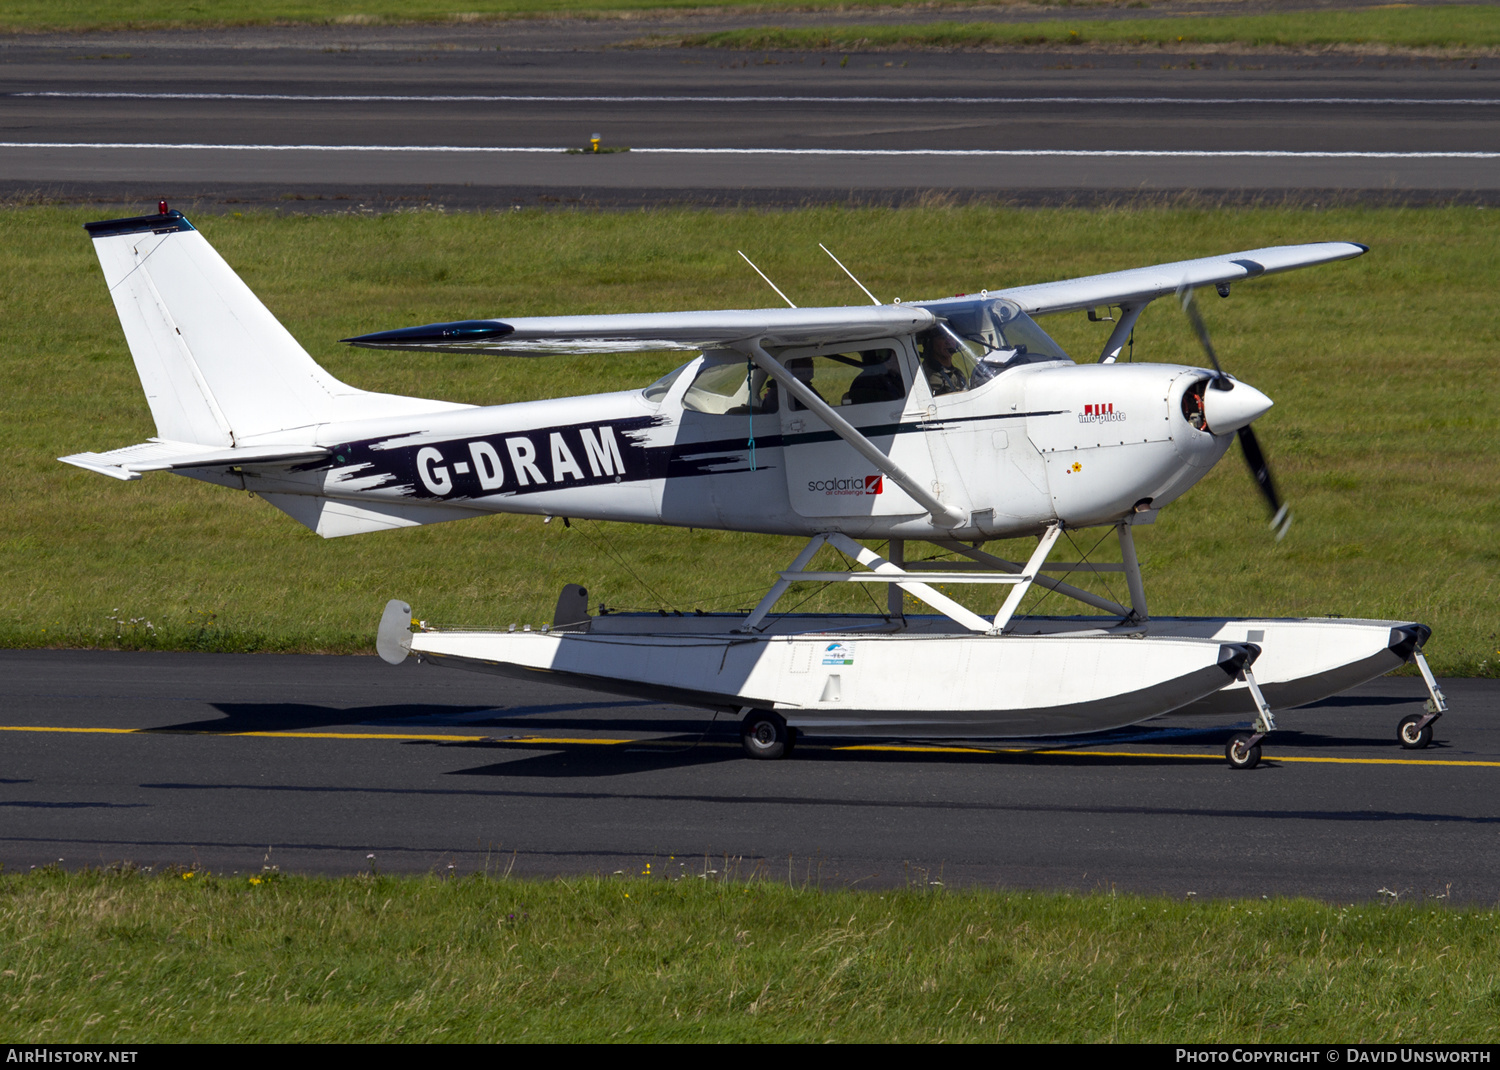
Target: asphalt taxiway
(338, 764)
(481, 116)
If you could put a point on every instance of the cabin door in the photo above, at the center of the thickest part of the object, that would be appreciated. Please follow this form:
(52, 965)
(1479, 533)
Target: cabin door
(870, 387)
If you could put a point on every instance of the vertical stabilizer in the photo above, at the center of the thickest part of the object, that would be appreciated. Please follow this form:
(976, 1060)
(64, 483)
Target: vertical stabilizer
(216, 366)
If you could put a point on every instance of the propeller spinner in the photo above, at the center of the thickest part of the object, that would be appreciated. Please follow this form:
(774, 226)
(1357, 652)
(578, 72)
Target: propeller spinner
(1230, 405)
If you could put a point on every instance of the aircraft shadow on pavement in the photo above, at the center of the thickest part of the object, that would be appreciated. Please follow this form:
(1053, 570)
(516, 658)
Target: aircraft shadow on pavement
(690, 726)
(33, 804)
(1289, 738)
(1344, 701)
(581, 762)
(591, 761)
(294, 716)
(584, 759)
(617, 717)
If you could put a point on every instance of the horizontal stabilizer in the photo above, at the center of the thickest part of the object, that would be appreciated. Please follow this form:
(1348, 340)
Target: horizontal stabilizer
(162, 456)
(333, 519)
(644, 332)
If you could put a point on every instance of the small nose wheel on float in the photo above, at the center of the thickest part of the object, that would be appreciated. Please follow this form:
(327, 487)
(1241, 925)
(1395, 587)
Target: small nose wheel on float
(1415, 731)
(1243, 748)
(765, 735)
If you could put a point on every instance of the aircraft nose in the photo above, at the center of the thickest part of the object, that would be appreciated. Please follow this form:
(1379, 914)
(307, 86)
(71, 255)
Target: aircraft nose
(1226, 411)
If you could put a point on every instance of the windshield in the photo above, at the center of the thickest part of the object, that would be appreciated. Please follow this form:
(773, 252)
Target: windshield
(997, 331)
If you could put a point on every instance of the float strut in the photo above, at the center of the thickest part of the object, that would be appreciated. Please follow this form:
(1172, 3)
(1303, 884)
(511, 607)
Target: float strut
(1437, 703)
(1264, 724)
(895, 597)
(1243, 751)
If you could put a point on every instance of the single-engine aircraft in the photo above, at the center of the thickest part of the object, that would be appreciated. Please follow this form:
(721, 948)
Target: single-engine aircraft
(951, 422)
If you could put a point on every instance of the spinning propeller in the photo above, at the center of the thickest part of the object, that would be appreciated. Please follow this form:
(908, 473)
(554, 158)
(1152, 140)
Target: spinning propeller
(1231, 405)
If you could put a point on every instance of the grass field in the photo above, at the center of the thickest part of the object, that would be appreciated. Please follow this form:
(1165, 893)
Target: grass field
(1384, 437)
(1461, 28)
(1396, 28)
(34, 15)
(38, 15)
(671, 955)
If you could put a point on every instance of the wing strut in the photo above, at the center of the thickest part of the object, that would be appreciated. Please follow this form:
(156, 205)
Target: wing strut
(945, 515)
(1117, 338)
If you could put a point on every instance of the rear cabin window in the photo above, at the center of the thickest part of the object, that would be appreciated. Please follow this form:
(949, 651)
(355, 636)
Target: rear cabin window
(855, 378)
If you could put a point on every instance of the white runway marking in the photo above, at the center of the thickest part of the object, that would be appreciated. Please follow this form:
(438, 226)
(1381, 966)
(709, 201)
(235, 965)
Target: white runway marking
(499, 98)
(1265, 154)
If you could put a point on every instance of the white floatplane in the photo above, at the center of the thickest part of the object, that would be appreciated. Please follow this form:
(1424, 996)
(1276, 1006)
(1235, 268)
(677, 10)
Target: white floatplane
(947, 423)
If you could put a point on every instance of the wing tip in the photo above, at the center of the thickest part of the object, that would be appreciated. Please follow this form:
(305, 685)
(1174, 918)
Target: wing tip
(456, 333)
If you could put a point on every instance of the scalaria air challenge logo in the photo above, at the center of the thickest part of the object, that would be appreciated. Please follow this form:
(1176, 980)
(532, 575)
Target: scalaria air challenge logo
(847, 485)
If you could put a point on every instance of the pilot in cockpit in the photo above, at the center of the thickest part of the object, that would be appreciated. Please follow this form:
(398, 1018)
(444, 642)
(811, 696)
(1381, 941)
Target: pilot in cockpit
(937, 364)
(948, 364)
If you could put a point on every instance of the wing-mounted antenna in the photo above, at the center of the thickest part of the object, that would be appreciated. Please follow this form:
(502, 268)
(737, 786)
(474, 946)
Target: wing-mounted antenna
(846, 271)
(769, 283)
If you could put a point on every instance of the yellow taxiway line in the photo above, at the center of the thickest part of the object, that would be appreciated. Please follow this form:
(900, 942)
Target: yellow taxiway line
(402, 737)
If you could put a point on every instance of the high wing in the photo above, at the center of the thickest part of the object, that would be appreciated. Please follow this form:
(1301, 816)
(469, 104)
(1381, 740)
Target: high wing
(1138, 286)
(693, 331)
(642, 332)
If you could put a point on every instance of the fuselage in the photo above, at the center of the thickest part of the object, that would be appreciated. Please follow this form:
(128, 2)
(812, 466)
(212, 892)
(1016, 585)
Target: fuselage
(956, 417)
(1033, 444)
